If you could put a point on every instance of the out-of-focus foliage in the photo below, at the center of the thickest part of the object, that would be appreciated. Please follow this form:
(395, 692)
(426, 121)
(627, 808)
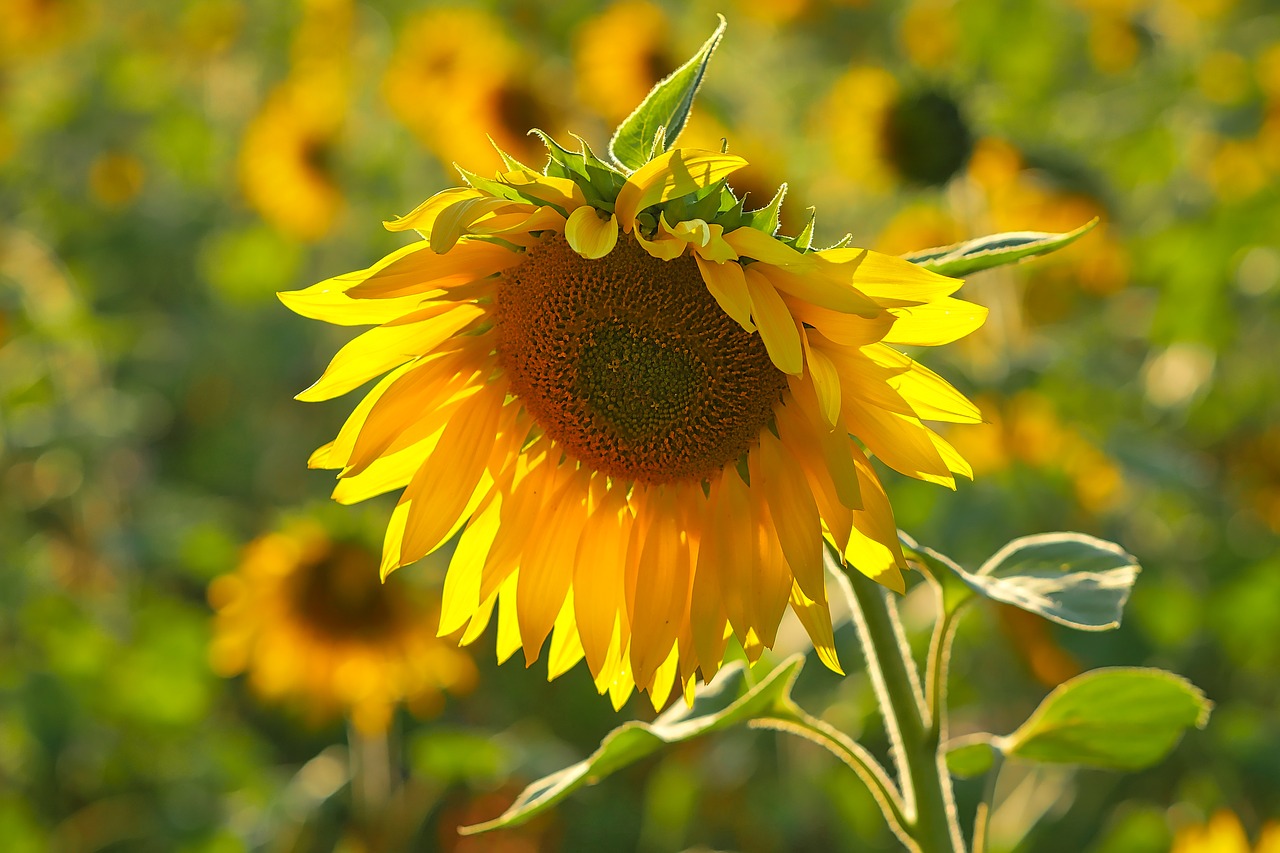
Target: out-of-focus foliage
(165, 167)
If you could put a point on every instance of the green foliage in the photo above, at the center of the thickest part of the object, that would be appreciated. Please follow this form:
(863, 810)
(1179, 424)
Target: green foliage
(732, 701)
(654, 125)
(1118, 718)
(996, 250)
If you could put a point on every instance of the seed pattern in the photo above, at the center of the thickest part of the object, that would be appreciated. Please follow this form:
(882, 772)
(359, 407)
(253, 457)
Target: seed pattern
(629, 363)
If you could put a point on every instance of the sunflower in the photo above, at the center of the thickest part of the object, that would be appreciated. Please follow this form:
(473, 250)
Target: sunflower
(457, 79)
(1223, 833)
(284, 165)
(635, 404)
(881, 135)
(619, 55)
(306, 617)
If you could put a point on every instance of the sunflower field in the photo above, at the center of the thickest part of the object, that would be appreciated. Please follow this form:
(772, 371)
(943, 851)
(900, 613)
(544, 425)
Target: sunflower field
(600, 468)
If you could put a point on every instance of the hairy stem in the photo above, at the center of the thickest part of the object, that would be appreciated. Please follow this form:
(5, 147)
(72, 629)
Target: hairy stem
(914, 732)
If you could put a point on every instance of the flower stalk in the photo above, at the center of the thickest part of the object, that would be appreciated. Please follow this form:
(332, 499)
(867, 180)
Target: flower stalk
(914, 732)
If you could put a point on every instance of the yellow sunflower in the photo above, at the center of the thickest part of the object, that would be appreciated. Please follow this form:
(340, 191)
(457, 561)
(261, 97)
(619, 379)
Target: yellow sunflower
(308, 620)
(284, 166)
(620, 54)
(880, 134)
(1224, 834)
(637, 405)
(457, 80)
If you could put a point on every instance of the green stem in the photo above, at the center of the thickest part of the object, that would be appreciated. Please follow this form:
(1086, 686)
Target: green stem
(924, 779)
(791, 718)
(982, 821)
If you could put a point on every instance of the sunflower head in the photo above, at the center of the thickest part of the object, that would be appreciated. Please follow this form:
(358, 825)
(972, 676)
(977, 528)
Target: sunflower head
(634, 408)
(306, 617)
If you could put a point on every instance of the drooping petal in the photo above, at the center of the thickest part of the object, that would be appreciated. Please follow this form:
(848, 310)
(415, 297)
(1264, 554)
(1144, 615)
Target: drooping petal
(424, 215)
(461, 595)
(659, 603)
(546, 565)
(815, 616)
(794, 514)
(825, 380)
(444, 485)
(599, 595)
(727, 284)
(777, 326)
(873, 548)
(566, 647)
(589, 235)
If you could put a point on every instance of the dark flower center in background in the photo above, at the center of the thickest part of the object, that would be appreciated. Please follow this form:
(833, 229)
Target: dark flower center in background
(926, 138)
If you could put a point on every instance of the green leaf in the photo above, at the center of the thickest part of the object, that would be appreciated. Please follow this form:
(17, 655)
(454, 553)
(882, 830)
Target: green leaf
(728, 702)
(971, 755)
(995, 250)
(666, 106)
(599, 181)
(766, 218)
(804, 239)
(955, 590)
(1117, 718)
(1070, 578)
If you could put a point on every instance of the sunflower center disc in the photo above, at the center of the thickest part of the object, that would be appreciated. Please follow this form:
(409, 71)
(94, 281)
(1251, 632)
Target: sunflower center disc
(630, 365)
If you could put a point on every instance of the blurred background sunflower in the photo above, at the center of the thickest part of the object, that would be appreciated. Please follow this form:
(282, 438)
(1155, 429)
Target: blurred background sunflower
(313, 626)
(156, 189)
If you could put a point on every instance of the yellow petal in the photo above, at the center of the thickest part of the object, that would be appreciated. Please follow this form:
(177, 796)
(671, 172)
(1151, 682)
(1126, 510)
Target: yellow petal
(378, 350)
(727, 284)
(424, 270)
(508, 640)
(445, 483)
(752, 243)
(424, 215)
(888, 280)
(707, 617)
(771, 579)
(830, 443)
(716, 248)
(901, 442)
(661, 599)
(777, 326)
(546, 565)
(461, 595)
(562, 192)
(664, 679)
(328, 301)
(846, 330)
(935, 323)
(589, 235)
(678, 172)
(873, 548)
(930, 396)
(566, 648)
(664, 246)
(794, 514)
(454, 220)
(809, 284)
(815, 616)
(598, 576)
(825, 379)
